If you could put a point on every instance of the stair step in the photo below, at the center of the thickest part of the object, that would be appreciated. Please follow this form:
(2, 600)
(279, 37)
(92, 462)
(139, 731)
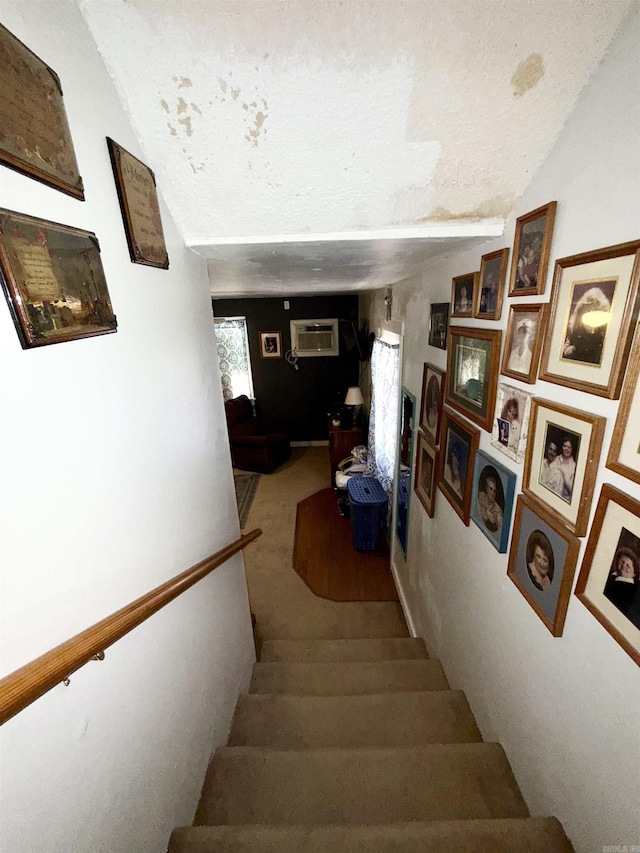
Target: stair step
(246, 784)
(308, 651)
(348, 679)
(514, 835)
(374, 720)
(319, 619)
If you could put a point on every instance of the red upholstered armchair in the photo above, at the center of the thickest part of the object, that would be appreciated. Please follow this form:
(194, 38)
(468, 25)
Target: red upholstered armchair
(256, 445)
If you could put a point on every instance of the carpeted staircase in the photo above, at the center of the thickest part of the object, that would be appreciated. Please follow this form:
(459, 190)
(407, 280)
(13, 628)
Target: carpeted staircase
(359, 745)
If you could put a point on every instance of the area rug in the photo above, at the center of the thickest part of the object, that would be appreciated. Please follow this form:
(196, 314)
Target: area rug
(246, 485)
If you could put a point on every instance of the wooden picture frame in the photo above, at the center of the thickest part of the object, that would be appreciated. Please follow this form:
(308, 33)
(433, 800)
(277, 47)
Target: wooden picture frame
(438, 325)
(473, 361)
(542, 562)
(562, 461)
(531, 251)
(603, 286)
(490, 291)
(463, 294)
(270, 344)
(511, 423)
(425, 476)
(523, 341)
(624, 451)
(138, 198)
(53, 281)
(431, 402)
(492, 497)
(459, 444)
(35, 139)
(609, 580)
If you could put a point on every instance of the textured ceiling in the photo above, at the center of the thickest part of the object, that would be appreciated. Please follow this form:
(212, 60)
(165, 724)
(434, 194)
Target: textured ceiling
(278, 130)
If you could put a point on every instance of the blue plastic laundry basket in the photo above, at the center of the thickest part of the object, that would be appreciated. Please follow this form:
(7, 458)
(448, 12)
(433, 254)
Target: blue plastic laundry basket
(368, 501)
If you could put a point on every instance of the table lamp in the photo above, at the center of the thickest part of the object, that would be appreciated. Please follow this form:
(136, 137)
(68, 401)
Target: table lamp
(354, 399)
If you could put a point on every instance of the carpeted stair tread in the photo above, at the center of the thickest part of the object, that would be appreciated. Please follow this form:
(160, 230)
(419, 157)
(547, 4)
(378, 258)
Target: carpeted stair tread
(308, 651)
(378, 720)
(317, 619)
(514, 835)
(359, 786)
(347, 679)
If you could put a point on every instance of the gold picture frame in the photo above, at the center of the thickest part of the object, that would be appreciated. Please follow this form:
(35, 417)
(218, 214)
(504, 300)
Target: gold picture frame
(426, 471)
(531, 251)
(624, 451)
(431, 402)
(523, 341)
(473, 362)
(463, 294)
(490, 291)
(455, 468)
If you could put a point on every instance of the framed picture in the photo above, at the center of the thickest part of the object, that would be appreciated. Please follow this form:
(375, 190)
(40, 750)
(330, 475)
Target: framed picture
(459, 444)
(426, 469)
(35, 138)
(492, 496)
(431, 404)
(493, 274)
(593, 314)
(562, 460)
(136, 186)
(438, 325)
(523, 343)
(542, 562)
(406, 441)
(531, 251)
(473, 360)
(609, 580)
(463, 291)
(624, 452)
(511, 423)
(53, 280)
(270, 345)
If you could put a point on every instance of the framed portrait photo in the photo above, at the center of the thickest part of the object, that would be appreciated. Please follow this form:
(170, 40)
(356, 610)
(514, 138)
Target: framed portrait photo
(531, 250)
(542, 562)
(426, 470)
(463, 292)
(431, 403)
(459, 444)
(438, 325)
(624, 451)
(473, 361)
(492, 497)
(609, 580)
(490, 291)
(593, 315)
(511, 423)
(562, 461)
(525, 331)
(270, 345)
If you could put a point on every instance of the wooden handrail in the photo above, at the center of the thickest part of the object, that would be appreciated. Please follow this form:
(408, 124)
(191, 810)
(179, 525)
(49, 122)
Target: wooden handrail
(32, 680)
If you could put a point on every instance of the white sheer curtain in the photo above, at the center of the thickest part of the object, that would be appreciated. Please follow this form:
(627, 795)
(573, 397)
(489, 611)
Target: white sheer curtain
(233, 355)
(383, 417)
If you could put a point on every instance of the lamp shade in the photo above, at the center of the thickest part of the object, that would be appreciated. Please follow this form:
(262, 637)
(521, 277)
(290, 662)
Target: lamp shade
(354, 397)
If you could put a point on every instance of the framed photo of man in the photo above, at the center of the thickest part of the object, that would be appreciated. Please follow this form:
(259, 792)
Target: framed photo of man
(523, 343)
(531, 250)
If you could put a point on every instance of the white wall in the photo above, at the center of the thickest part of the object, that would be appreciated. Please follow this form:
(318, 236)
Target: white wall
(115, 476)
(565, 709)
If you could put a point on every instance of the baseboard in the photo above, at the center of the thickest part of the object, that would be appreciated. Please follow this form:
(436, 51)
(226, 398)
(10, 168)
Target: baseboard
(403, 602)
(324, 443)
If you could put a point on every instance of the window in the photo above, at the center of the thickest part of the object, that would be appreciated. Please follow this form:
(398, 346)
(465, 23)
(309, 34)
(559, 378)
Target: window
(233, 356)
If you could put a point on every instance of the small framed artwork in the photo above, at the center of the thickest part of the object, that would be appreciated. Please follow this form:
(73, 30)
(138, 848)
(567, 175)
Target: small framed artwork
(425, 479)
(136, 187)
(525, 331)
(53, 280)
(593, 315)
(624, 452)
(438, 325)
(531, 251)
(431, 403)
(473, 361)
(270, 345)
(542, 562)
(562, 461)
(459, 444)
(489, 294)
(492, 497)
(609, 580)
(463, 292)
(511, 423)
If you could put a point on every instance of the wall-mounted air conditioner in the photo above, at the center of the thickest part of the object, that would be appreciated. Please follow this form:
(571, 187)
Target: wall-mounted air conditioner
(314, 337)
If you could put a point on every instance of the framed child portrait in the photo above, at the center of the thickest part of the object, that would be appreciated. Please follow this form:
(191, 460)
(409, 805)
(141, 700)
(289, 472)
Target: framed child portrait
(511, 423)
(270, 345)
(431, 403)
(492, 500)
(531, 250)
(523, 343)
(426, 469)
(490, 291)
(459, 444)
(463, 292)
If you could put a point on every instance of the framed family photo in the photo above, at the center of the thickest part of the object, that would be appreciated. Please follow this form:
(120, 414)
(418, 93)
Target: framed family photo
(463, 292)
(562, 461)
(473, 361)
(525, 331)
(270, 345)
(438, 325)
(593, 315)
(425, 478)
(531, 251)
(431, 403)
(490, 291)
(542, 562)
(459, 444)
(609, 580)
(624, 451)
(511, 423)
(492, 500)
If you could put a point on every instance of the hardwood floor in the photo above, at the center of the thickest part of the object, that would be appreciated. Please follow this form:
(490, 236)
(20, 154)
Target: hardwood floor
(325, 559)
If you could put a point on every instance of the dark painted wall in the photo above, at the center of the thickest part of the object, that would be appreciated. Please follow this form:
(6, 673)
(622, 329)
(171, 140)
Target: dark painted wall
(301, 398)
